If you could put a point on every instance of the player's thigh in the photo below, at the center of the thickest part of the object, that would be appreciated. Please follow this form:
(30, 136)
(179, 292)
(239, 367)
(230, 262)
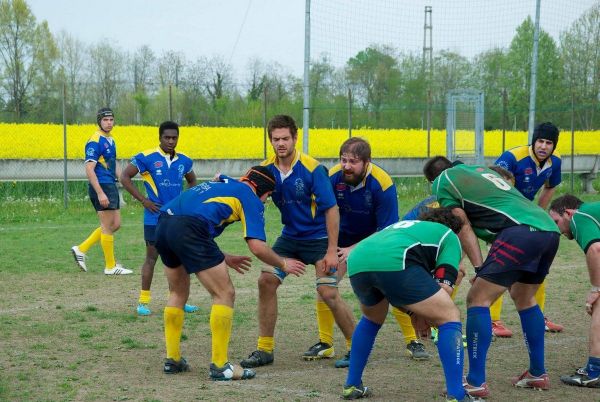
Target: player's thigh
(523, 294)
(216, 280)
(438, 309)
(178, 279)
(376, 313)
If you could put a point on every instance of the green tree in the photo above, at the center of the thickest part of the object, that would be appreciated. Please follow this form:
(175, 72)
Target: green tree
(489, 73)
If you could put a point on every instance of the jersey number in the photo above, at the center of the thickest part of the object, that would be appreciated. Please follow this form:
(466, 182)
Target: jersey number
(403, 224)
(498, 182)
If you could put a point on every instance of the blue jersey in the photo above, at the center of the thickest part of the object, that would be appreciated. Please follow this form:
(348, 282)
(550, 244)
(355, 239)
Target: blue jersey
(302, 196)
(529, 175)
(413, 214)
(102, 150)
(368, 207)
(163, 177)
(220, 204)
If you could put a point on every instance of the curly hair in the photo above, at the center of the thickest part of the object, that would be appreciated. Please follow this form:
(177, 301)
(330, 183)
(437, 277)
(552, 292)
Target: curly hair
(443, 216)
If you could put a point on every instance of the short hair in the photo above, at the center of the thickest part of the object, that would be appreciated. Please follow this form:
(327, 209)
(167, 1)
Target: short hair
(506, 174)
(358, 147)
(443, 216)
(260, 178)
(562, 203)
(435, 166)
(282, 121)
(167, 125)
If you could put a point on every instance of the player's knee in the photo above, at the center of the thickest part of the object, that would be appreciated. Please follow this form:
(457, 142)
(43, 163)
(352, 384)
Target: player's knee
(328, 290)
(267, 283)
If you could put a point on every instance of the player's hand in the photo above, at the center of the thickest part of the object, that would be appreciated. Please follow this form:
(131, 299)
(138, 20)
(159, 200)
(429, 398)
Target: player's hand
(150, 206)
(590, 302)
(462, 272)
(294, 267)
(343, 252)
(329, 263)
(240, 263)
(421, 326)
(217, 177)
(103, 200)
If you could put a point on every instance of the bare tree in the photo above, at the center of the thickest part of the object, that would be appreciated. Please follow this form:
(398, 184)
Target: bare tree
(106, 69)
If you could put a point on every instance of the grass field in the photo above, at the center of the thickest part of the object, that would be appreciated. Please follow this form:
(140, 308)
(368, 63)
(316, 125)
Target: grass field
(67, 335)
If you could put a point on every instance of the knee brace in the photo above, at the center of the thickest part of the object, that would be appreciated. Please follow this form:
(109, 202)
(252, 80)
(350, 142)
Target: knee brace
(279, 274)
(327, 281)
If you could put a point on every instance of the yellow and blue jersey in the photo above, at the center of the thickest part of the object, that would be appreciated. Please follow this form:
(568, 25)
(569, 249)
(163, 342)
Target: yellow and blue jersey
(429, 202)
(220, 204)
(529, 175)
(102, 150)
(368, 207)
(302, 196)
(162, 176)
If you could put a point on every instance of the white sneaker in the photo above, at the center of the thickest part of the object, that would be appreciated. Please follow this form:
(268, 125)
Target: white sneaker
(117, 270)
(79, 258)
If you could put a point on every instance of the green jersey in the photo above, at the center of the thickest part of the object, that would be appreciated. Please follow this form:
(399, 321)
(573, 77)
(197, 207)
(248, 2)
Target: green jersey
(585, 225)
(490, 203)
(404, 244)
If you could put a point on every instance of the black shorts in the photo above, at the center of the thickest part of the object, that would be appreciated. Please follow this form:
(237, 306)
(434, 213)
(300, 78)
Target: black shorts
(307, 251)
(346, 240)
(150, 234)
(400, 288)
(186, 240)
(520, 254)
(112, 193)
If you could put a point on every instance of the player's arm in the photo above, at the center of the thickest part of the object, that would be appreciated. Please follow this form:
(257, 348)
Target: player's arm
(266, 254)
(592, 257)
(90, 172)
(190, 177)
(332, 222)
(468, 240)
(546, 196)
(128, 173)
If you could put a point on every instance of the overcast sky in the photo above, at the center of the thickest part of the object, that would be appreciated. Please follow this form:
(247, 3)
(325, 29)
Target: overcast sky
(273, 30)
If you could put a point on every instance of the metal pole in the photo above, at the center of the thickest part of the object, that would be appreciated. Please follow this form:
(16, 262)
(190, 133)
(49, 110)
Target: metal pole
(306, 106)
(534, 62)
(504, 107)
(170, 103)
(572, 141)
(429, 123)
(64, 116)
(265, 123)
(349, 113)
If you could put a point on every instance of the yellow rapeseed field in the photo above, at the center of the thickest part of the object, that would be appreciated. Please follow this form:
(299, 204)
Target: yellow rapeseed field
(45, 141)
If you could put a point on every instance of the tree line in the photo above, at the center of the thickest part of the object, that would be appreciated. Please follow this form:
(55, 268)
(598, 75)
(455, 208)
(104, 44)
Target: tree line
(379, 87)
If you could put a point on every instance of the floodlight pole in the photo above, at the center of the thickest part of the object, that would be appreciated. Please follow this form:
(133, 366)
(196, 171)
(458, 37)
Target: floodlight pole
(306, 106)
(534, 63)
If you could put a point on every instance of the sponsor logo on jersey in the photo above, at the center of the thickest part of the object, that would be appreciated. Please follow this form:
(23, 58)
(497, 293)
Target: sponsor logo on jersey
(158, 164)
(528, 171)
(340, 187)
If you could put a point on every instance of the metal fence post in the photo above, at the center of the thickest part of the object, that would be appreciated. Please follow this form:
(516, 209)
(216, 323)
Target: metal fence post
(170, 103)
(64, 118)
(265, 123)
(572, 141)
(349, 113)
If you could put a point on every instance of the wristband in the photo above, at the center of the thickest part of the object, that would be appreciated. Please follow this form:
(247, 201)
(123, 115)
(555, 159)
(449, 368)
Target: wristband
(595, 289)
(477, 268)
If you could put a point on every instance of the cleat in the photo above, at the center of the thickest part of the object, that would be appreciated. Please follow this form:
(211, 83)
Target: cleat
(466, 398)
(581, 379)
(434, 335)
(319, 350)
(416, 351)
(499, 330)
(142, 309)
(343, 362)
(189, 308)
(549, 326)
(230, 372)
(464, 338)
(117, 270)
(173, 367)
(481, 391)
(527, 380)
(79, 258)
(353, 392)
(257, 358)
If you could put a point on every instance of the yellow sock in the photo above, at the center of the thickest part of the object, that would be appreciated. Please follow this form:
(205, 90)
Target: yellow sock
(405, 325)
(348, 344)
(221, 319)
(266, 344)
(145, 297)
(496, 308)
(173, 318)
(325, 321)
(108, 247)
(90, 241)
(454, 292)
(540, 296)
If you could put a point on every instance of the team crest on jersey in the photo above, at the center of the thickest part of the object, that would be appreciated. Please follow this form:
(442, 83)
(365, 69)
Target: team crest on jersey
(180, 169)
(90, 152)
(299, 183)
(528, 171)
(158, 164)
(368, 199)
(340, 187)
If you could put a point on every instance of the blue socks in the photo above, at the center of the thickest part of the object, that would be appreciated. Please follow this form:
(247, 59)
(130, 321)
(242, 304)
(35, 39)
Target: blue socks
(363, 339)
(479, 338)
(532, 322)
(451, 353)
(593, 367)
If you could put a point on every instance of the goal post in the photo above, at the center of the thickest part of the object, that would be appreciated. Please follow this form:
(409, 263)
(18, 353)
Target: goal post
(464, 125)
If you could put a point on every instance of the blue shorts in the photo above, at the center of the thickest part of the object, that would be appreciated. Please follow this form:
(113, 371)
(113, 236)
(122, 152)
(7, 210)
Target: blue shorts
(400, 288)
(186, 240)
(520, 254)
(150, 234)
(112, 193)
(307, 251)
